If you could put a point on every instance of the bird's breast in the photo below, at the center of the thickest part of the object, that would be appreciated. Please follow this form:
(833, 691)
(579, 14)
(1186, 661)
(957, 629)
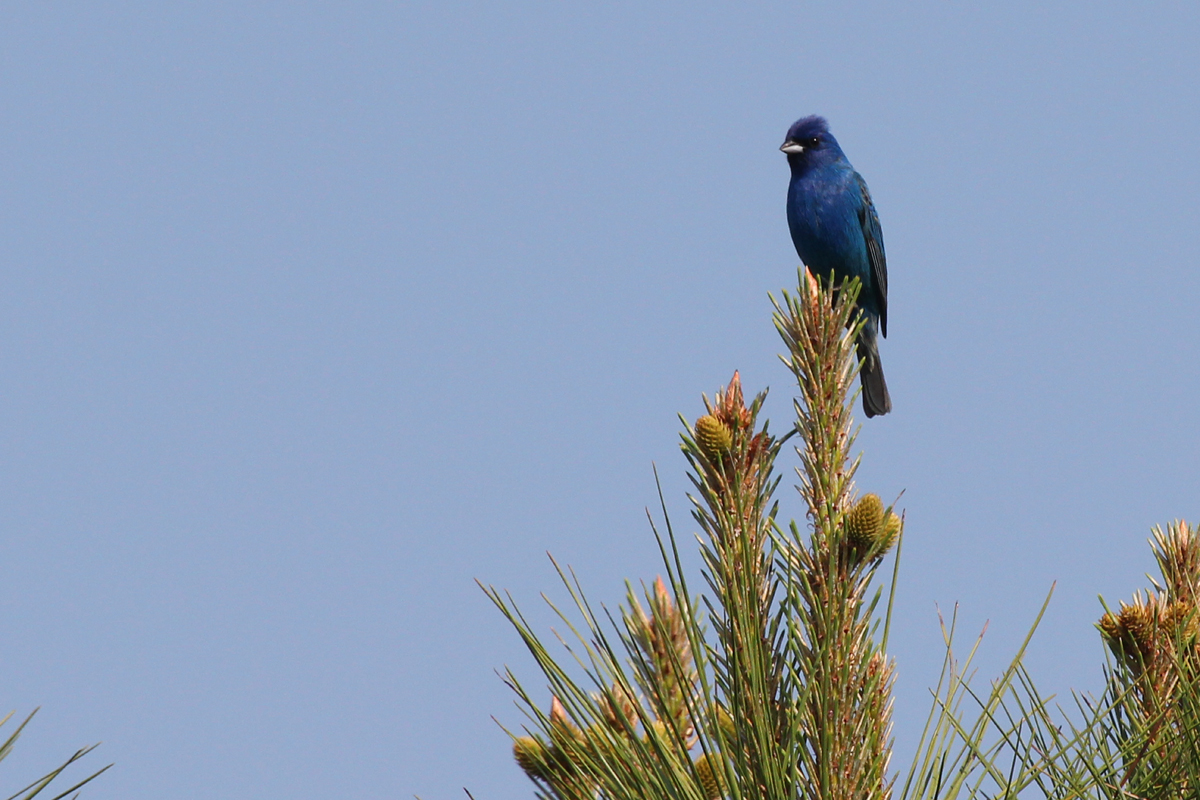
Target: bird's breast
(823, 218)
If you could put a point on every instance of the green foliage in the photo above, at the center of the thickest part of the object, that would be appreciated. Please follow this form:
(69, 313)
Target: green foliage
(1147, 739)
(43, 784)
(774, 683)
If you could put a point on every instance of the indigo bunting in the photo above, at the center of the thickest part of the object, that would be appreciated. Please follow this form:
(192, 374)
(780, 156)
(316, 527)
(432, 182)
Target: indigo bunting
(837, 235)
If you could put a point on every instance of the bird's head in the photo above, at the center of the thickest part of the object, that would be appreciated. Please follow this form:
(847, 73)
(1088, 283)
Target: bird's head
(809, 143)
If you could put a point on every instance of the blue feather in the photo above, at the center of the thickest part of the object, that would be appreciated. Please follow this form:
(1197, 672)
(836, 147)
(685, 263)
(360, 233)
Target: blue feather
(837, 235)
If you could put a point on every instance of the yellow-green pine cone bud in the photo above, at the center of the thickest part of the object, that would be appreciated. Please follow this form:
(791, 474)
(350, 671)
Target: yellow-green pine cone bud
(1139, 620)
(891, 532)
(864, 522)
(532, 756)
(1110, 625)
(713, 437)
(708, 777)
(1118, 637)
(725, 722)
(660, 729)
(1174, 615)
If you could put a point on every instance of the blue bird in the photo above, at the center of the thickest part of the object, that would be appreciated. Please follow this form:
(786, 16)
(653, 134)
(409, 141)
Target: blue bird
(837, 235)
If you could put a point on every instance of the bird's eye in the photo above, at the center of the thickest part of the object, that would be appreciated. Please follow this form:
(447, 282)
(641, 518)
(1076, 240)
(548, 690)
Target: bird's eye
(813, 142)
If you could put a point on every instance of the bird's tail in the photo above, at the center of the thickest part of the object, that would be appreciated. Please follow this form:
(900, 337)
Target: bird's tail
(875, 398)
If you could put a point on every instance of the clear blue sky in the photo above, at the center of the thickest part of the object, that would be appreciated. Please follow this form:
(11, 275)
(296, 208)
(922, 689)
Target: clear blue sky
(312, 313)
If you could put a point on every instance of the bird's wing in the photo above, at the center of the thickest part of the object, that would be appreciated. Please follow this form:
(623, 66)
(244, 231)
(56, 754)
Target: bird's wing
(873, 234)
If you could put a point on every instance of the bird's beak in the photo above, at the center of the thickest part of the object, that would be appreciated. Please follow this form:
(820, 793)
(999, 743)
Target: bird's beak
(792, 148)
